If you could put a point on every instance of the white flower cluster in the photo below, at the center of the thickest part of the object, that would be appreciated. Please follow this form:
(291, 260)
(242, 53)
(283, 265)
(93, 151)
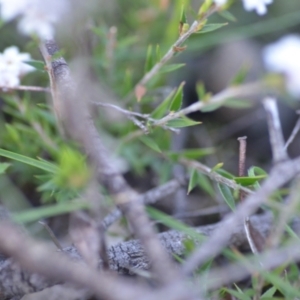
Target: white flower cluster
(258, 5)
(12, 67)
(284, 57)
(36, 16)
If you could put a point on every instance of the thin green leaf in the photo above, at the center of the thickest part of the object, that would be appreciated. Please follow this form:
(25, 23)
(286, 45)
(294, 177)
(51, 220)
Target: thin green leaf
(254, 171)
(33, 215)
(237, 103)
(211, 107)
(46, 116)
(211, 27)
(227, 15)
(182, 15)
(197, 153)
(269, 293)
(38, 64)
(200, 88)
(204, 7)
(227, 195)
(3, 167)
(246, 181)
(13, 133)
(157, 53)
(174, 224)
(182, 122)
(238, 294)
(246, 292)
(29, 161)
(164, 172)
(48, 186)
(60, 53)
(281, 284)
(150, 143)
(100, 31)
(217, 166)
(161, 110)
(127, 81)
(205, 184)
(291, 232)
(241, 75)
(177, 99)
(126, 42)
(171, 68)
(149, 59)
(225, 173)
(190, 153)
(193, 180)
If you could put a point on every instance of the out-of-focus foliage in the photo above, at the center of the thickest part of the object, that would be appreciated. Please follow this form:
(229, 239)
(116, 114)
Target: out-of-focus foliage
(120, 43)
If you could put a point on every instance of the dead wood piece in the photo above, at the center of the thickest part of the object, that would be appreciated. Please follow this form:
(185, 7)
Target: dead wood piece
(59, 292)
(123, 258)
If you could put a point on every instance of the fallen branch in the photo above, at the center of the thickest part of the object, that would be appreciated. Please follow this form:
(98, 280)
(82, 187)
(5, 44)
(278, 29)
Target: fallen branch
(39, 267)
(35, 257)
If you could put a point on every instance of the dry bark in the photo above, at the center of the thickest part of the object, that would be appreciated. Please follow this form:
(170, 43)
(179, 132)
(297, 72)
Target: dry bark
(124, 258)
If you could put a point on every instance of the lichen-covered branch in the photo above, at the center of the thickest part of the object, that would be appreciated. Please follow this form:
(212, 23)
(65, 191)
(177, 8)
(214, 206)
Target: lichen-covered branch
(124, 258)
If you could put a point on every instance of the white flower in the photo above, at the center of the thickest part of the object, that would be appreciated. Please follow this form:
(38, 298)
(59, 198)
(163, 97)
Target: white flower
(36, 23)
(258, 5)
(220, 2)
(8, 79)
(36, 16)
(12, 66)
(284, 57)
(12, 8)
(14, 60)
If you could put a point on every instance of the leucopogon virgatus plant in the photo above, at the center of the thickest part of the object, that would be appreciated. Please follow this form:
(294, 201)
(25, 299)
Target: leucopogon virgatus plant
(98, 138)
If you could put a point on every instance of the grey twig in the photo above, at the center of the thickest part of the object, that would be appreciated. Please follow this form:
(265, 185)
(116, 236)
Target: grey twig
(242, 161)
(213, 175)
(247, 223)
(51, 234)
(275, 131)
(131, 114)
(26, 88)
(138, 123)
(242, 155)
(231, 92)
(122, 110)
(75, 118)
(149, 197)
(293, 134)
